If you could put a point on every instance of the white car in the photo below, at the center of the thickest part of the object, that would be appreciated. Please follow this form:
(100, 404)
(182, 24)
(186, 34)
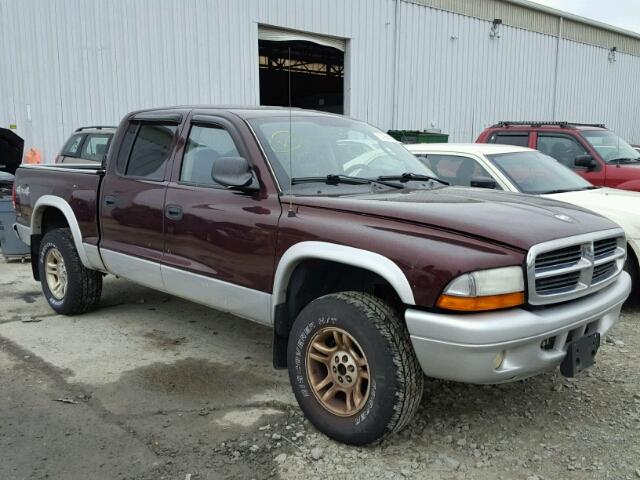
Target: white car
(519, 169)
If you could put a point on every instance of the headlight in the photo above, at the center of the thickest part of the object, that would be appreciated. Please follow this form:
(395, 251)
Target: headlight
(484, 290)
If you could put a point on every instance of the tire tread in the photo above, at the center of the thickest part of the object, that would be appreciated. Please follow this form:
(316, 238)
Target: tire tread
(409, 376)
(90, 280)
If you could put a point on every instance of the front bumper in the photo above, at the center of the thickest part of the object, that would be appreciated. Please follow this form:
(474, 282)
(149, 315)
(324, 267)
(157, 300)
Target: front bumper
(464, 347)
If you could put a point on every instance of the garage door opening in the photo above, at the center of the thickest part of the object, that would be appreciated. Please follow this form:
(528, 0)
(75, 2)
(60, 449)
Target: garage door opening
(317, 70)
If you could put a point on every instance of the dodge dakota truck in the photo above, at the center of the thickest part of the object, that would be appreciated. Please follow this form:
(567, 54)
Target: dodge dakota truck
(370, 270)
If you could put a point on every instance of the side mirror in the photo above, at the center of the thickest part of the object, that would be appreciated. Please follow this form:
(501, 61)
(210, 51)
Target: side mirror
(585, 161)
(234, 172)
(484, 182)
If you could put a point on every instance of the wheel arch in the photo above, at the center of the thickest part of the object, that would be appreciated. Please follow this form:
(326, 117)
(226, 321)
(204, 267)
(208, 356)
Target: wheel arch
(327, 256)
(342, 254)
(47, 202)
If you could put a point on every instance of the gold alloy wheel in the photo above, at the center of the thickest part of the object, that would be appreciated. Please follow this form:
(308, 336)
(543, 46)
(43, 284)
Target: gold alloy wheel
(338, 371)
(56, 273)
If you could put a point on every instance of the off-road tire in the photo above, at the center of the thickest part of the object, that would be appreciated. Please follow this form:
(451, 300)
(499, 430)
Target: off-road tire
(84, 286)
(396, 379)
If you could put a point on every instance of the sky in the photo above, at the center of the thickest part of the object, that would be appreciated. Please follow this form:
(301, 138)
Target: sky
(619, 13)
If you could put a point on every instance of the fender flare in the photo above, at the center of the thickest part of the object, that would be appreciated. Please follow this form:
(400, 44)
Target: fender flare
(356, 257)
(60, 204)
(635, 248)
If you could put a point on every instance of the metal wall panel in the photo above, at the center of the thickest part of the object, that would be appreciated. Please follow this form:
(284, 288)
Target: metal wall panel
(79, 62)
(457, 79)
(511, 14)
(538, 18)
(70, 63)
(593, 89)
(454, 77)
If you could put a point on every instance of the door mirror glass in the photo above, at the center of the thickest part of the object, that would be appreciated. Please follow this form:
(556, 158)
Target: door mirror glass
(234, 172)
(585, 161)
(484, 182)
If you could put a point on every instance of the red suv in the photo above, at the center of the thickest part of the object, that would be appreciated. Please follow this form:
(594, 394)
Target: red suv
(591, 150)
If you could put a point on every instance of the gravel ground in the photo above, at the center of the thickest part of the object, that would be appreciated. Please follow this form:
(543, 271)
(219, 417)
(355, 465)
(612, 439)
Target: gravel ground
(152, 387)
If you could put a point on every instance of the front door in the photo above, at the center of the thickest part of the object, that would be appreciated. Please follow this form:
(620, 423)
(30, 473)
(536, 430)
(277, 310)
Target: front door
(132, 202)
(219, 243)
(565, 149)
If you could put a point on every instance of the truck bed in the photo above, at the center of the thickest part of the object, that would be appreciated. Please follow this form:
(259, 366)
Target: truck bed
(77, 185)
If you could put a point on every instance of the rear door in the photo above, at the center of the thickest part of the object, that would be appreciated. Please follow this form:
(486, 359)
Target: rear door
(219, 243)
(132, 199)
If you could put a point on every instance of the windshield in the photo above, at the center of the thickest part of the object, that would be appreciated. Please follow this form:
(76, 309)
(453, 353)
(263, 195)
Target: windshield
(537, 173)
(324, 146)
(610, 146)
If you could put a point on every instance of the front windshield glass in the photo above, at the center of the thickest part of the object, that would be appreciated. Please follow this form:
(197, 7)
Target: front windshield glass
(536, 173)
(610, 146)
(323, 145)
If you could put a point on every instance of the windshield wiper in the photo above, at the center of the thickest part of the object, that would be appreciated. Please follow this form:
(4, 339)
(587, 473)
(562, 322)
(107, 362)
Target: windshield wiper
(408, 177)
(624, 160)
(344, 179)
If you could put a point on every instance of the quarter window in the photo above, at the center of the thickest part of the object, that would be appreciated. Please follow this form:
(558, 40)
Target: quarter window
(564, 149)
(150, 152)
(204, 147)
(518, 139)
(72, 146)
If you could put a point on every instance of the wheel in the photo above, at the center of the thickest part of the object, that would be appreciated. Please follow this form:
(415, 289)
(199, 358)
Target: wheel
(352, 367)
(68, 286)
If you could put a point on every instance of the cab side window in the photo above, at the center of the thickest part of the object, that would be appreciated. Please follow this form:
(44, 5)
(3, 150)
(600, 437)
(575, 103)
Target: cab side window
(95, 147)
(561, 147)
(150, 151)
(455, 169)
(205, 145)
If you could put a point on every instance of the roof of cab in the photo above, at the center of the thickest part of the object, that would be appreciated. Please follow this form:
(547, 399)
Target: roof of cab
(473, 148)
(243, 111)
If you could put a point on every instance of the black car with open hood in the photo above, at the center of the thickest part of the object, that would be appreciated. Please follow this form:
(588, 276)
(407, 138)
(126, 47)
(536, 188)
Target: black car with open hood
(11, 148)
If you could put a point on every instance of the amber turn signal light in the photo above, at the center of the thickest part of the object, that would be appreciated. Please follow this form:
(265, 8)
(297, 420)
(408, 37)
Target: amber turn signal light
(480, 304)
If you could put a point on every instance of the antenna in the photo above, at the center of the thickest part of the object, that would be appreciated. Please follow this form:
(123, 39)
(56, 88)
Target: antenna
(291, 212)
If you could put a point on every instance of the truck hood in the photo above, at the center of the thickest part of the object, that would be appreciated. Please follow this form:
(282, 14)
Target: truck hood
(620, 206)
(512, 219)
(11, 146)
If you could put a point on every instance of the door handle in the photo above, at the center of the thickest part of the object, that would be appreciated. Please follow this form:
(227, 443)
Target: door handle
(173, 212)
(109, 200)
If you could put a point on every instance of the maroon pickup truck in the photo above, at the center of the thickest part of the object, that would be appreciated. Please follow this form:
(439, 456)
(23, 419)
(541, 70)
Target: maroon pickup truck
(370, 269)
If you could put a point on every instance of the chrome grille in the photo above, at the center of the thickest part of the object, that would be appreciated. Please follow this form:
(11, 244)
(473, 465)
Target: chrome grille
(563, 257)
(557, 283)
(603, 248)
(602, 272)
(572, 267)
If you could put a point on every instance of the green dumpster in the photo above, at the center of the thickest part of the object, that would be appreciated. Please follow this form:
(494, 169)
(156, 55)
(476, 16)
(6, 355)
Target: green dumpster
(417, 136)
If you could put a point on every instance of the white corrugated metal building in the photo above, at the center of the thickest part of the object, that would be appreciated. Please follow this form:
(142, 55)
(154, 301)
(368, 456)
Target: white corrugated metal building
(410, 64)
